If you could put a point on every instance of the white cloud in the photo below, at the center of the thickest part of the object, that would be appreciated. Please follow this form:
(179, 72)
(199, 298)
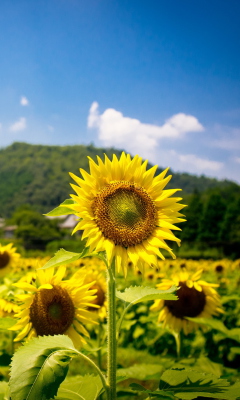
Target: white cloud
(19, 125)
(237, 160)
(24, 101)
(116, 130)
(229, 138)
(50, 128)
(197, 164)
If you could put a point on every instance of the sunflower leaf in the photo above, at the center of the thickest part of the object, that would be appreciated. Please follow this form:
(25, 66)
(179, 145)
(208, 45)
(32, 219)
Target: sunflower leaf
(78, 387)
(63, 257)
(218, 326)
(141, 371)
(62, 209)
(188, 384)
(156, 393)
(137, 294)
(40, 366)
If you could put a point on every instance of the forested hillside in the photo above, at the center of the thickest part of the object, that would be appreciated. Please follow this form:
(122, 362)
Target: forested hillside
(38, 175)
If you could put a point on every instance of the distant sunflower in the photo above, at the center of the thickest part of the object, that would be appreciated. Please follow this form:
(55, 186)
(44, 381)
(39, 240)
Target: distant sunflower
(196, 298)
(99, 283)
(125, 211)
(7, 308)
(54, 307)
(8, 258)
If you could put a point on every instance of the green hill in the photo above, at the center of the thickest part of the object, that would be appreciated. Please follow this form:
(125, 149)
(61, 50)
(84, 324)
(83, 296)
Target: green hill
(38, 175)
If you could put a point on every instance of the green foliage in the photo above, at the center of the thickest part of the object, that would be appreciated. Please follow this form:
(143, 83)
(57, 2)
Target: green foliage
(86, 387)
(33, 228)
(6, 323)
(63, 257)
(45, 360)
(62, 209)
(139, 294)
(141, 372)
(4, 391)
(219, 326)
(188, 384)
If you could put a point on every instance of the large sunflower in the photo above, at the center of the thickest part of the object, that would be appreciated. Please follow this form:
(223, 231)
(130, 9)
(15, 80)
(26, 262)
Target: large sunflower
(125, 210)
(54, 306)
(196, 298)
(8, 258)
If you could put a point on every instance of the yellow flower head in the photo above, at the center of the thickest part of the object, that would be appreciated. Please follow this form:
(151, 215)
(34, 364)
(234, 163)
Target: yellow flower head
(196, 298)
(125, 210)
(8, 258)
(54, 306)
(98, 280)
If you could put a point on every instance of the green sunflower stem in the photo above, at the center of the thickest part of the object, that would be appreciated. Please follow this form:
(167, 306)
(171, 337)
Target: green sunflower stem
(112, 342)
(178, 343)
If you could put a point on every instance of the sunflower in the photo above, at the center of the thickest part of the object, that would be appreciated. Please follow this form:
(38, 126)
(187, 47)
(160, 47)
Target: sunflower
(99, 284)
(8, 258)
(53, 306)
(7, 308)
(196, 298)
(125, 211)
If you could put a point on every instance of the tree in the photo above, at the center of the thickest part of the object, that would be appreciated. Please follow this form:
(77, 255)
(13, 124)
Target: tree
(212, 218)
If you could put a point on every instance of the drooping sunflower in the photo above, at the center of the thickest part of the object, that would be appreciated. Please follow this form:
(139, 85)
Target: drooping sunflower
(8, 258)
(53, 306)
(125, 210)
(196, 298)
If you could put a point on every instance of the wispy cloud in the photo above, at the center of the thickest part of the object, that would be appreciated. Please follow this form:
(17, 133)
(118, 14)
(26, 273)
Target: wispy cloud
(19, 125)
(24, 101)
(237, 160)
(114, 129)
(229, 138)
(197, 164)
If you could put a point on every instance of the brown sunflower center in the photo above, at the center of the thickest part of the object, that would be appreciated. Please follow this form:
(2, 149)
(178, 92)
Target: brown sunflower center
(190, 302)
(52, 311)
(125, 213)
(219, 268)
(100, 297)
(4, 259)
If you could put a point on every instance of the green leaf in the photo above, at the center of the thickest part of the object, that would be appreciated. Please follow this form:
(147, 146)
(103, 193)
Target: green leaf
(141, 371)
(62, 209)
(188, 384)
(137, 294)
(63, 257)
(156, 393)
(4, 391)
(78, 387)
(7, 322)
(39, 366)
(219, 326)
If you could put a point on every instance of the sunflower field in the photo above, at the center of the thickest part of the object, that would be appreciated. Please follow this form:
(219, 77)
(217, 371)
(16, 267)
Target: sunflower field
(123, 317)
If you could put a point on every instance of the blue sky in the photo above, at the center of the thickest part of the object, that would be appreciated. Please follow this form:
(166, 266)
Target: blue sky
(157, 78)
